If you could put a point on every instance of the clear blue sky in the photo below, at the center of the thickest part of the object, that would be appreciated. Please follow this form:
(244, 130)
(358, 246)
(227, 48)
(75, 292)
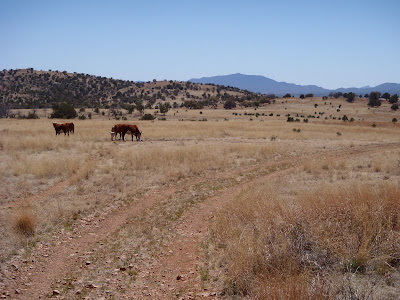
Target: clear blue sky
(330, 43)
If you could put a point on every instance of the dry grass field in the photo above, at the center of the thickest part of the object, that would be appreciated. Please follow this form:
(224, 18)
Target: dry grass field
(211, 204)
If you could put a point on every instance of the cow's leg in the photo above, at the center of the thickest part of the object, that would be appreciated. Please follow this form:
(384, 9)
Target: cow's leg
(132, 136)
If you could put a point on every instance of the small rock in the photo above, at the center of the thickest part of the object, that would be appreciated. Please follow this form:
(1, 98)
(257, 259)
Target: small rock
(122, 269)
(56, 292)
(179, 277)
(88, 263)
(91, 286)
(78, 292)
(17, 291)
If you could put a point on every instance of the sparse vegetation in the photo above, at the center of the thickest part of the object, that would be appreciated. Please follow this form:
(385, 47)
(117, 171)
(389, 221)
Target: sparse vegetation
(305, 242)
(148, 117)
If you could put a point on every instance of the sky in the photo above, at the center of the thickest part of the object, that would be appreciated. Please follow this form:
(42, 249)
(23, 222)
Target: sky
(329, 43)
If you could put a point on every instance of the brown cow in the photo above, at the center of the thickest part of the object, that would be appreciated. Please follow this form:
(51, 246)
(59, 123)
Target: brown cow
(117, 128)
(66, 127)
(134, 131)
(122, 129)
(71, 127)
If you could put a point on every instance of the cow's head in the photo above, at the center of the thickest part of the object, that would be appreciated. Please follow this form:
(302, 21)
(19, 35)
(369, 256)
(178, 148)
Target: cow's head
(139, 135)
(112, 135)
(113, 129)
(54, 124)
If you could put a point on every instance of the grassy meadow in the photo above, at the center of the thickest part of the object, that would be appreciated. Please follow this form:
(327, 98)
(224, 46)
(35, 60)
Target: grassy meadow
(329, 228)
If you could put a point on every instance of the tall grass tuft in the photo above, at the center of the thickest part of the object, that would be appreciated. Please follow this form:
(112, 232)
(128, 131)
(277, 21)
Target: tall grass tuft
(270, 244)
(25, 224)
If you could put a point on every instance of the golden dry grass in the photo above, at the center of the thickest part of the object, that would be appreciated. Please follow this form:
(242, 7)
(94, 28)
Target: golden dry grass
(299, 233)
(303, 238)
(25, 224)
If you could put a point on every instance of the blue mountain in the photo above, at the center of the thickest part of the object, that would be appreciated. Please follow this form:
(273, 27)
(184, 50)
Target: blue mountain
(264, 85)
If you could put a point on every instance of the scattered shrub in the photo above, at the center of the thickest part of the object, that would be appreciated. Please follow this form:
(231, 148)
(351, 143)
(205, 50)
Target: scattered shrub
(63, 111)
(148, 117)
(25, 224)
(32, 115)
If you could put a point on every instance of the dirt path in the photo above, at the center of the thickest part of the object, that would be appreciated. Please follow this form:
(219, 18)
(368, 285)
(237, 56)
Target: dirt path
(180, 267)
(177, 269)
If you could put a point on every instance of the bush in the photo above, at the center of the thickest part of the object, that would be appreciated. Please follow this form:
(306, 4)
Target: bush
(32, 115)
(25, 225)
(395, 106)
(148, 117)
(229, 104)
(374, 99)
(394, 98)
(63, 111)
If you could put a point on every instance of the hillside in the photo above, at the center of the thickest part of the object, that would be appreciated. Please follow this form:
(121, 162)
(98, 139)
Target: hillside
(261, 84)
(31, 89)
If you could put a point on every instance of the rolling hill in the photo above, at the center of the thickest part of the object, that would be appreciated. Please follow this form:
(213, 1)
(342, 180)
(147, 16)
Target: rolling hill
(32, 89)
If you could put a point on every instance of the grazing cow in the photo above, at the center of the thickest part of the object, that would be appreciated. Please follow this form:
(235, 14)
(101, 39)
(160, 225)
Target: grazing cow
(122, 129)
(71, 127)
(66, 127)
(134, 131)
(117, 128)
(112, 135)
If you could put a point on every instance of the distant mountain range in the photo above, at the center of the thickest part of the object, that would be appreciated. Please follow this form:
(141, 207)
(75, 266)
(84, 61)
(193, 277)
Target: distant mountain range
(264, 85)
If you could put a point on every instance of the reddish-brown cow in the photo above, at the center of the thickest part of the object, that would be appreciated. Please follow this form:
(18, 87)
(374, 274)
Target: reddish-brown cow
(65, 127)
(71, 127)
(122, 129)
